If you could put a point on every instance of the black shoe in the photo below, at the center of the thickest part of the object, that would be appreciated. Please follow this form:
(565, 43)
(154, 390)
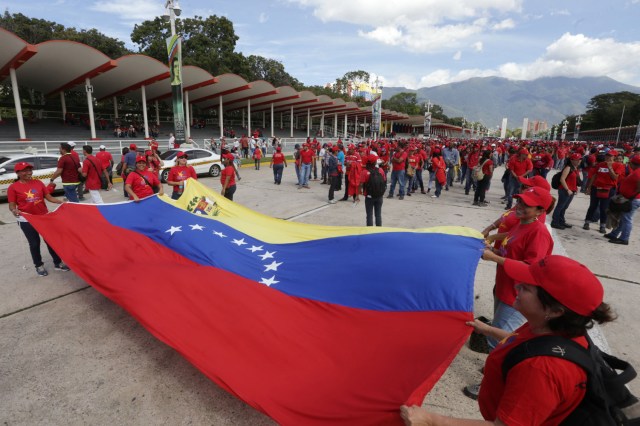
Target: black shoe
(472, 391)
(585, 226)
(566, 225)
(390, 196)
(610, 237)
(557, 226)
(475, 203)
(343, 199)
(466, 192)
(408, 194)
(507, 208)
(428, 190)
(401, 197)
(619, 241)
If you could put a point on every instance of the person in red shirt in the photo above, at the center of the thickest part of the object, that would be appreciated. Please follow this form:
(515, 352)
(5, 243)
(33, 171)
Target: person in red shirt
(519, 166)
(398, 162)
(473, 157)
(257, 157)
(69, 169)
(482, 185)
(227, 179)
(141, 182)
(278, 163)
(413, 162)
(630, 189)
(28, 195)
(372, 205)
(179, 173)
(602, 186)
(93, 172)
(554, 295)
(306, 159)
(568, 188)
(106, 159)
(439, 171)
(352, 165)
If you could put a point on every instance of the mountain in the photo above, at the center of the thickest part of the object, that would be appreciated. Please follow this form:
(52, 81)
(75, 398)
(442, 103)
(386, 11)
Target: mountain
(489, 99)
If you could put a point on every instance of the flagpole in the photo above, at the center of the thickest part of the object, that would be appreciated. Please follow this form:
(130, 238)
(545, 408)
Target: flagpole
(620, 125)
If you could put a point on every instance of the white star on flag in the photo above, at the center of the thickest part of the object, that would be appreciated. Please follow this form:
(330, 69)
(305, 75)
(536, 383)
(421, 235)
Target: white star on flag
(239, 242)
(219, 234)
(273, 266)
(267, 255)
(269, 282)
(174, 229)
(254, 249)
(196, 227)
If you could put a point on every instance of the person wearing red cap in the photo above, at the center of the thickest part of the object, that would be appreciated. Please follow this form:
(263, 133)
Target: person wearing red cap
(630, 189)
(142, 183)
(278, 163)
(27, 195)
(227, 179)
(557, 296)
(486, 165)
(602, 186)
(519, 166)
(333, 164)
(568, 188)
(372, 202)
(398, 161)
(439, 171)
(154, 163)
(179, 174)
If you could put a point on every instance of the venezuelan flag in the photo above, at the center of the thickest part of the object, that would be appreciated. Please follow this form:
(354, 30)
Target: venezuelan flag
(308, 324)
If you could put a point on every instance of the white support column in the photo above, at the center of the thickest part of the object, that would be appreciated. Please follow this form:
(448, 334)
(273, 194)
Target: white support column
(281, 120)
(16, 102)
(355, 126)
(322, 125)
(249, 117)
(291, 124)
(335, 125)
(345, 127)
(63, 104)
(157, 105)
(243, 125)
(220, 118)
(273, 133)
(92, 119)
(264, 119)
(308, 122)
(190, 113)
(115, 107)
(364, 128)
(144, 112)
(187, 118)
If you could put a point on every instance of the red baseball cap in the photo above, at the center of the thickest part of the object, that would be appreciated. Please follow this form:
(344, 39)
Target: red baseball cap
(523, 151)
(635, 159)
(278, 148)
(537, 180)
(612, 152)
(141, 159)
(182, 154)
(372, 159)
(536, 197)
(569, 282)
(575, 156)
(22, 165)
(133, 147)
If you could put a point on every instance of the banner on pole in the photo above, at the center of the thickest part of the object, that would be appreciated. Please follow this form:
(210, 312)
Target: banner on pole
(376, 114)
(525, 128)
(427, 125)
(503, 129)
(174, 50)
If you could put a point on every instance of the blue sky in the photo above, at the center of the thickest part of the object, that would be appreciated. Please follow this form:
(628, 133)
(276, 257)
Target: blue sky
(410, 43)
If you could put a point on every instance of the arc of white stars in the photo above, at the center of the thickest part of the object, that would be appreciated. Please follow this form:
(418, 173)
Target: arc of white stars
(219, 234)
(269, 281)
(273, 266)
(196, 227)
(267, 255)
(254, 249)
(239, 242)
(174, 229)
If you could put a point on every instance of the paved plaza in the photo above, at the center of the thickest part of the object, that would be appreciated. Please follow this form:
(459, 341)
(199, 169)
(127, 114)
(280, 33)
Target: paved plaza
(68, 355)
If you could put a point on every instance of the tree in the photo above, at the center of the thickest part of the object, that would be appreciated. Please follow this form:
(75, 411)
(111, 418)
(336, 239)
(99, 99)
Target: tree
(208, 43)
(261, 68)
(404, 102)
(605, 111)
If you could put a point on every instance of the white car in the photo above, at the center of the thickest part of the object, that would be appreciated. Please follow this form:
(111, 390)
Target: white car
(44, 165)
(203, 161)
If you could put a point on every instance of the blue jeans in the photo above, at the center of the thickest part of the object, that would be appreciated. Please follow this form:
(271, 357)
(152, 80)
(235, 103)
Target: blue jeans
(513, 187)
(397, 176)
(598, 205)
(71, 192)
(505, 317)
(305, 172)
(438, 188)
(469, 181)
(451, 175)
(623, 231)
(564, 199)
(33, 238)
(277, 173)
(298, 174)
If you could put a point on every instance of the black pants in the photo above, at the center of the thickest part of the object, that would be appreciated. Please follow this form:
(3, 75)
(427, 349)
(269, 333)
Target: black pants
(481, 189)
(334, 183)
(373, 206)
(346, 186)
(228, 193)
(34, 245)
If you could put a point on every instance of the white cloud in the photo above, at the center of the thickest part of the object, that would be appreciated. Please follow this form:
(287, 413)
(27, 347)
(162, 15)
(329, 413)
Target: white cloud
(424, 26)
(562, 12)
(263, 18)
(457, 56)
(477, 46)
(129, 10)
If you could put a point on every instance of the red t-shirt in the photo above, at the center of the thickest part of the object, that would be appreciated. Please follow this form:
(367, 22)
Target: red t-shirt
(527, 243)
(29, 196)
(413, 160)
(105, 158)
(306, 155)
(257, 153)
(402, 155)
(278, 158)
(520, 167)
(93, 181)
(180, 174)
(486, 167)
(538, 391)
(139, 185)
(603, 177)
(228, 171)
(629, 185)
(69, 165)
(572, 180)
(472, 159)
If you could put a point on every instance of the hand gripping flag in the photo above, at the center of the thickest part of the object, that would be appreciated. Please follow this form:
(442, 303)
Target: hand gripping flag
(308, 324)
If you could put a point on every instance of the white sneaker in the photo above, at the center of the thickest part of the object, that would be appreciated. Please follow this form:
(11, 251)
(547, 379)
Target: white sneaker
(332, 201)
(434, 196)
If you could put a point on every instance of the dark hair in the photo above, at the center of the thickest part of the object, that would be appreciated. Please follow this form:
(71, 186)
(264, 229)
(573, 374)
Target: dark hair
(486, 154)
(570, 324)
(125, 150)
(87, 148)
(65, 146)
(552, 205)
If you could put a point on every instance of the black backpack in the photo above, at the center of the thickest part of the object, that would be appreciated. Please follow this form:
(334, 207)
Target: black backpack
(555, 180)
(376, 186)
(607, 401)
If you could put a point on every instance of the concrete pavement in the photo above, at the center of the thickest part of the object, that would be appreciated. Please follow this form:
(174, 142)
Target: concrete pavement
(68, 355)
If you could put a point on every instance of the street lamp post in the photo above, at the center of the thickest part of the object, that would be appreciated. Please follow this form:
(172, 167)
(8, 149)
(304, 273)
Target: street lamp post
(174, 50)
